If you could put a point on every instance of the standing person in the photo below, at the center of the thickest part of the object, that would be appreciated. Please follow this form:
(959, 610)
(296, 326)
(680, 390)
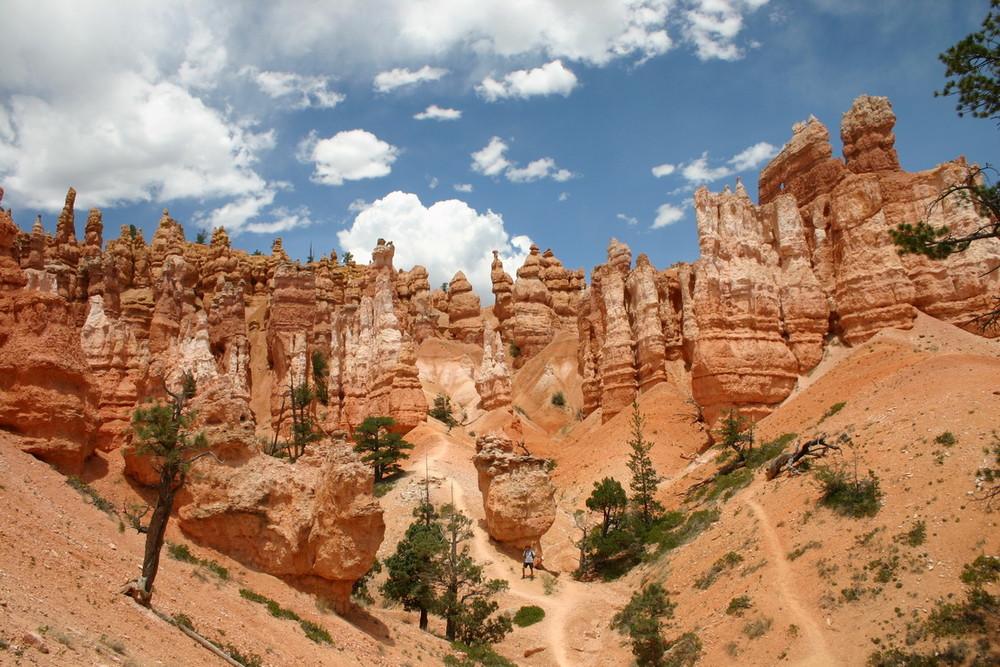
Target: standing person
(529, 561)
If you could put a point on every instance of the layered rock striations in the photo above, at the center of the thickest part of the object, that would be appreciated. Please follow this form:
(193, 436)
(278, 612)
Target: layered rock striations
(518, 496)
(814, 259)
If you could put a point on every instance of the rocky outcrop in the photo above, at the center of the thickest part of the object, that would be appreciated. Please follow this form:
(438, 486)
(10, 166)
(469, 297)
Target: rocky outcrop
(493, 381)
(814, 259)
(46, 394)
(544, 299)
(518, 497)
(313, 523)
(465, 322)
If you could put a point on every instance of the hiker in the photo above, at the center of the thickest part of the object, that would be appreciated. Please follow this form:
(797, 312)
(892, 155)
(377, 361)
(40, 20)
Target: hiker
(529, 561)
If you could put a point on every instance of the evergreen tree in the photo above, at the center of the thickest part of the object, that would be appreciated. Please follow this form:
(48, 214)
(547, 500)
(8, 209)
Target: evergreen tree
(736, 432)
(303, 426)
(464, 598)
(162, 431)
(642, 618)
(382, 449)
(608, 498)
(644, 478)
(415, 565)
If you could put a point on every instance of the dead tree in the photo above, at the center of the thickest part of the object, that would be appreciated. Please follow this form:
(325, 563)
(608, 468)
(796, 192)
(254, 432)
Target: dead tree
(812, 449)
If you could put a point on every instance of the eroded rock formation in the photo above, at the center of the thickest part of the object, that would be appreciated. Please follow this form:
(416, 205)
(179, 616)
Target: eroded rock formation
(313, 523)
(518, 496)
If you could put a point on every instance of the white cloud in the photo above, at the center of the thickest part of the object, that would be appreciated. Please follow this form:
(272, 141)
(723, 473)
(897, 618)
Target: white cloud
(538, 169)
(136, 141)
(630, 221)
(491, 161)
(563, 196)
(753, 157)
(698, 171)
(663, 170)
(306, 91)
(549, 79)
(351, 155)
(713, 25)
(446, 237)
(434, 112)
(667, 214)
(463, 187)
(401, 76)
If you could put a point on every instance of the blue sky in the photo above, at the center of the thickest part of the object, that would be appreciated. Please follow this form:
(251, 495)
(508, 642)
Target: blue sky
(451, 127)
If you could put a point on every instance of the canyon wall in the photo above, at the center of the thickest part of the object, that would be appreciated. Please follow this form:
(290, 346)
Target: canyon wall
(775, 280)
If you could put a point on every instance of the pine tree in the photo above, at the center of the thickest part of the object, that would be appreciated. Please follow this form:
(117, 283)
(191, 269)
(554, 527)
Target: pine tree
(642, 620)
(382, 449)
(644, 477)
(415, 565)
(465, 595)
(608, 498)
(162, 431)
(736, 432)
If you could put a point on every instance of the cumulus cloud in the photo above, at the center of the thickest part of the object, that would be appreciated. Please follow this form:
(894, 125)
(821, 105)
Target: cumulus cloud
(446, 237)
(549, 79)
(303, 91)
(350, 155)
(663, 170)
(753, 157)
(434, 112)
(713, 25)
(628, 220)
(699, 171)
(492, 161)
(401, 76)
(667, 214)
(463, 187)
(139, 141)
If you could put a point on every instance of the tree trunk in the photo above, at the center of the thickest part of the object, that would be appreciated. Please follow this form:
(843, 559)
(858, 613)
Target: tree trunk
(423, 619)
(155, 534)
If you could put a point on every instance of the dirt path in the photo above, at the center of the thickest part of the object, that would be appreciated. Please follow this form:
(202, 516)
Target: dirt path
(460, 487)
(788, 589)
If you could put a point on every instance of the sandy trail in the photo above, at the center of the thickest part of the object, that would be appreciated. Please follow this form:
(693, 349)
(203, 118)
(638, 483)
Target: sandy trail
(788, 589)
(460, 487)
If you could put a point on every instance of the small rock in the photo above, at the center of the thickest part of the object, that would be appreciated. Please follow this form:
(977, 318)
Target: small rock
(31, 639)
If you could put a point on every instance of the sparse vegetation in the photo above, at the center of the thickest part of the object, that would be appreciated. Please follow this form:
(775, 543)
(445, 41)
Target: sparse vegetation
(314, 632)
(832, 410)
(730, 560)
(514, 349)
(87, 491)
(476, 654)
(443, 411)
(738, 605)
(915, 536)
(321, 376)
(757, 627)
(848, 494)
(182, 553)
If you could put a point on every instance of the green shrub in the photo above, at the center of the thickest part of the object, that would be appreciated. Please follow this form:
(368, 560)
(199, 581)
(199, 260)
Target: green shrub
(559, 399)
(849, 497)
(947, 439)
(683, 651)
(757, 627)
(738, 605)
(528, 615)
(182, 553)
(832, 410)
(313, 631)
(476, 654)
(88, 491)
(915, 536)
(731, 559)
